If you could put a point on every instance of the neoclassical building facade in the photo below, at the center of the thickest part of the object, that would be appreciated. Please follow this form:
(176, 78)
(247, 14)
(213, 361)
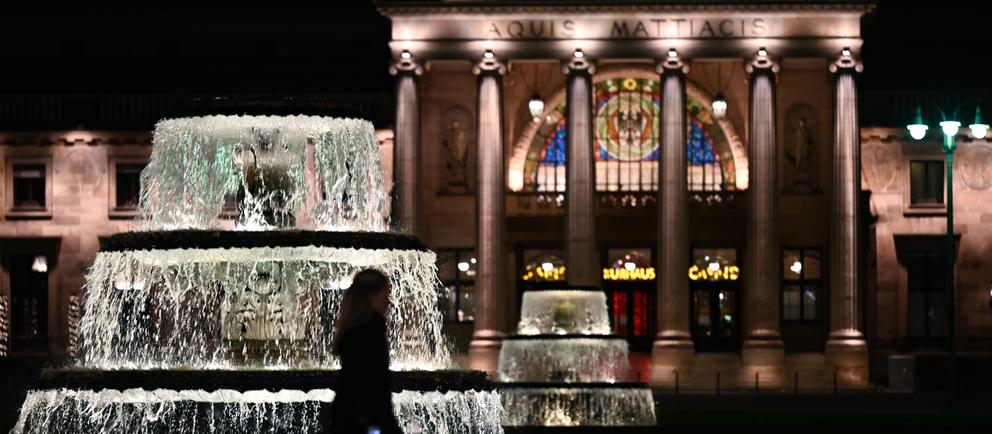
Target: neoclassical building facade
(704, 165)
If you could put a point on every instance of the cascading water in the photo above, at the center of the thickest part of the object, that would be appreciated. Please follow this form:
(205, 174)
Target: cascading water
(139, 411)
(262, 307)
(302, 172)
(569, 359)
(235, 272)
(563, 368)
(4, 326)
(564, 311)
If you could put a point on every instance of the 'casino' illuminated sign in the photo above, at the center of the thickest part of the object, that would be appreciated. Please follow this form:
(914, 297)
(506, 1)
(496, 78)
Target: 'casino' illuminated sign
(714, 272)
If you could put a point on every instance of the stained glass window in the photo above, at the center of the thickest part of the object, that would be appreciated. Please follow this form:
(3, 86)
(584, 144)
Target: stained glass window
(626, 127)
(626, 130)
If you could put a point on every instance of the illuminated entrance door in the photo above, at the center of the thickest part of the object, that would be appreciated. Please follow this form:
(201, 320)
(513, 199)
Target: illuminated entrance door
(714, 284)
(629, 283)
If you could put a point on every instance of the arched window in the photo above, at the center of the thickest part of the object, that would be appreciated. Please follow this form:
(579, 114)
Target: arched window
(626, 128)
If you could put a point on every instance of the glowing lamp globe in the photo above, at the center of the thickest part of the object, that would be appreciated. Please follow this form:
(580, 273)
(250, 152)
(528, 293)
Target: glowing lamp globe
(719, 106)
(918, 131)
(536, 107)
(979, 131)
(950, 128)
(978, 128)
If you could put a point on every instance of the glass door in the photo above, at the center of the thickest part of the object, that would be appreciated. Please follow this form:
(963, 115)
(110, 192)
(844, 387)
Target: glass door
(629, 283)
(714, 285)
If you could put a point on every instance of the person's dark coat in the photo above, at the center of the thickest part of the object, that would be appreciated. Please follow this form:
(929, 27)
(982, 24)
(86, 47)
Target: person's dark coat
(363, 395)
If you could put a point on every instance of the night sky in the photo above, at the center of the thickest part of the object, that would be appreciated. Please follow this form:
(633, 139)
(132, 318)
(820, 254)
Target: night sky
(340, 47)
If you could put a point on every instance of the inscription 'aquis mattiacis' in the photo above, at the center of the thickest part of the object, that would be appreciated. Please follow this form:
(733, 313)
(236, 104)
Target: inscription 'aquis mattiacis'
(647, 28)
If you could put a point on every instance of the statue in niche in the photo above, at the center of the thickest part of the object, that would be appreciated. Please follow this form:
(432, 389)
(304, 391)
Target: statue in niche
(800, 152)
(455, 142)
(801, 146)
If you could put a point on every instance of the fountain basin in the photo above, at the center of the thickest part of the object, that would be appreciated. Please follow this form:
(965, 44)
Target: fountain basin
(82, 400)
(563, 358)
(563, 311)
(588, 404)
(234, 299)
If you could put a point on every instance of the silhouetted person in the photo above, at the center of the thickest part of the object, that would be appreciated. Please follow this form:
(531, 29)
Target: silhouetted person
(363, 395)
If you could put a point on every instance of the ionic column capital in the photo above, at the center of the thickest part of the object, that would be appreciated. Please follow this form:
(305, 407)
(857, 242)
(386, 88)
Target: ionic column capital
(762, 63)
(489, 63)
(578, 63)
(846, 62)
(406, 64)
(672, 64)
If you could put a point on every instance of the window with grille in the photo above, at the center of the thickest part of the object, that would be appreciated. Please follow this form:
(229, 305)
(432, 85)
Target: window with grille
(457, 269)
(801, 273)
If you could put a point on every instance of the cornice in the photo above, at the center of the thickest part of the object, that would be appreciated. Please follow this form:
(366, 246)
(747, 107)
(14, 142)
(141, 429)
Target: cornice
(390, 10)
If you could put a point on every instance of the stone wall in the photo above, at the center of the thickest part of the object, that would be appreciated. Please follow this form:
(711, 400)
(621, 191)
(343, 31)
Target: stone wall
(79, 206)
(885, 155)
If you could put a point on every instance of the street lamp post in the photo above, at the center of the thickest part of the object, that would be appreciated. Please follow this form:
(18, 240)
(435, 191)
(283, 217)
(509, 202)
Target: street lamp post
(950, 129)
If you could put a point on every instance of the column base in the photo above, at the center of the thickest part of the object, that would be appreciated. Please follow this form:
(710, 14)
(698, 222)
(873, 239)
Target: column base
(671, 354)
(483, 351)
(847, 352)
(763, 351)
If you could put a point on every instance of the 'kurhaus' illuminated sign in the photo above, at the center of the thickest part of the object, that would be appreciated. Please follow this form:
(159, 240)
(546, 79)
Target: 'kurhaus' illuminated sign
(646, 273)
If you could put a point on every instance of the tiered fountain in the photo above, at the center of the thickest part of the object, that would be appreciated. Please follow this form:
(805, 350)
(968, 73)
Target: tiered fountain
(564, 368)
(197, 322)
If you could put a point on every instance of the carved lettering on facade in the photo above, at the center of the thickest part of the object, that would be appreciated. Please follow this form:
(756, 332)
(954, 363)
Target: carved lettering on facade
(633, 28)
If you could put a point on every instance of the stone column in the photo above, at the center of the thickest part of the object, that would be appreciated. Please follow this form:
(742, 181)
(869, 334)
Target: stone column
(846, 348)
(673, 348)
(406, 148)
(762, 340)
(580, 181)
(483, 351)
